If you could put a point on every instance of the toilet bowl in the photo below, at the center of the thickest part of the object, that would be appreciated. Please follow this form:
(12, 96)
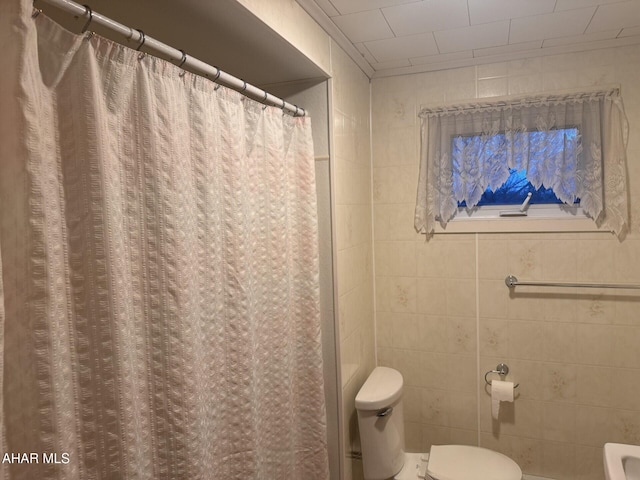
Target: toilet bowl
(381, 424)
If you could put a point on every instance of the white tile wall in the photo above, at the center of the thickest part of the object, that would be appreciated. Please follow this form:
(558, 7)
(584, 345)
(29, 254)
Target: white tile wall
(572, 351)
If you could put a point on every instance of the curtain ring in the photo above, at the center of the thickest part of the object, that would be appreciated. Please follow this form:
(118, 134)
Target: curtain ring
(215, 79)
(89, 20)
(244, 87)
(264, 101)
(295, 114)
(182, 62)
(143, 38)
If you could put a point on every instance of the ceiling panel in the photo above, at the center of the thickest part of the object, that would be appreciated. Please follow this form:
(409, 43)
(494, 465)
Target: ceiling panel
(629, 32)
(615, 15)
(503, 49)
(485, 11)
(403, 47)
(476, 36)
(572, 4)
(364, 26)
(352, 6)
(434, 34)
(590, 37)
(552, 25)
(427, 16)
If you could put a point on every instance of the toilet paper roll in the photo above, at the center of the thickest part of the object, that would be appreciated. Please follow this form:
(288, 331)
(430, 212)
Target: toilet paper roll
(500, 392)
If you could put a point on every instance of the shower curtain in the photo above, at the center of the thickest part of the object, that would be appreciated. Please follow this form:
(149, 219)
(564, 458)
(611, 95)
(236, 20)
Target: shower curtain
(160, 298)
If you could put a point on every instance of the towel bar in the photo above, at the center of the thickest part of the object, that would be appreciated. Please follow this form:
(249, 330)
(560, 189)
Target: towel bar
(512, 282)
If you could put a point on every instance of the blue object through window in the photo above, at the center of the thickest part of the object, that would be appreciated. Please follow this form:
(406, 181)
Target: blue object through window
(515, 189)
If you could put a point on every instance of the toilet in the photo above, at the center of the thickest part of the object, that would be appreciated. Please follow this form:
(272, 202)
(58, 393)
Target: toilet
(381, 423)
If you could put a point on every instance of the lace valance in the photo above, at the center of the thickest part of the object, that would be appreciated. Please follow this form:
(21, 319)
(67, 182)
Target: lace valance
(589, 166)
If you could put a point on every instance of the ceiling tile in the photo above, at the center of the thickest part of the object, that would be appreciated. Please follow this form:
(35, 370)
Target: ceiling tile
(572, 4)
(353, 6)
(629, 32)
(514, 47)
(427, 16)
(364, 26)
(444, 57)
(421, 35)
(327, 7)
(476, 36)
(589, 37)
(485, 11)
(403, 47)
(608, 17)
(541, 27)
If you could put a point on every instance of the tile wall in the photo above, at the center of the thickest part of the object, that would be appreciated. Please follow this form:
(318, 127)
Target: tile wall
(354, 238)
(444, 315)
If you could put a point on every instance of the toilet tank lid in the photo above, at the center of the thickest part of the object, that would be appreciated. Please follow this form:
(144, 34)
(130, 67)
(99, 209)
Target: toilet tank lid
(381, 389)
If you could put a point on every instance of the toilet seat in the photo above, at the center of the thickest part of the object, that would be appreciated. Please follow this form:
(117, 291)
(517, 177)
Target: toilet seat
(461, 462)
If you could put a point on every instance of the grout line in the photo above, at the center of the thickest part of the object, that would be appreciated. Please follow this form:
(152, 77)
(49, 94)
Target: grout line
(373, 247)
(477, 337)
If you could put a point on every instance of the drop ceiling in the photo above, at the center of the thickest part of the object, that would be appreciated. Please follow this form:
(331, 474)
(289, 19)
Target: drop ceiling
(391, 37)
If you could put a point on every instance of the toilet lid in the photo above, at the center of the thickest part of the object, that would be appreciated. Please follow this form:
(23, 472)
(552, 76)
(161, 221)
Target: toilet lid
(461, 462)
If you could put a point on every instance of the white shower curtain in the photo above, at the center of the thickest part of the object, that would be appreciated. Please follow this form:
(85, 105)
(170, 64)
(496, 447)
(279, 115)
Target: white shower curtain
(159, 263)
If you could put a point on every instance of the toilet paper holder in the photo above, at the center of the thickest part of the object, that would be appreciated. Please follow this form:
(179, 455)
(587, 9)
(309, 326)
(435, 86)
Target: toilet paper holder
(502, 369)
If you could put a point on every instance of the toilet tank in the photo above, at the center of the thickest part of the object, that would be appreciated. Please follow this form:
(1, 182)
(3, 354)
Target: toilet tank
(381, 423)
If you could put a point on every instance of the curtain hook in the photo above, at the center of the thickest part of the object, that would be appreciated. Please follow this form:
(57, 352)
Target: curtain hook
(215, 79)
(218, 72)
(143, 38)
(182, 62)
(36, 12)
(87, 10)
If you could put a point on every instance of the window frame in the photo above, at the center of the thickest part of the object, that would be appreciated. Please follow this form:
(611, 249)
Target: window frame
(539, 218)
(550, 217)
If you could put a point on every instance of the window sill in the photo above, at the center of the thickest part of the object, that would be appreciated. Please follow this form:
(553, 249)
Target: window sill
(520, 225)
(541, 219)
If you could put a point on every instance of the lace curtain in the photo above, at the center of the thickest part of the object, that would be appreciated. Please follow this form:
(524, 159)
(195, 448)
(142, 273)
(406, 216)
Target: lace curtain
(468, 148)
(160, 313)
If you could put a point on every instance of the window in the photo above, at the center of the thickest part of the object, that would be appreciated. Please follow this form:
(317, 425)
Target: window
(482, 161)
(517, 186)
(515, 191)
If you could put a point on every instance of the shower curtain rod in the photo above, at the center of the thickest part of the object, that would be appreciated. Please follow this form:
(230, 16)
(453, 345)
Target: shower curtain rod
(136, 39)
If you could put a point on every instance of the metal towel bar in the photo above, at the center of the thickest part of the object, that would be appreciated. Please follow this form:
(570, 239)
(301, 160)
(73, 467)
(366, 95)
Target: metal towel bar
(512, 282)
